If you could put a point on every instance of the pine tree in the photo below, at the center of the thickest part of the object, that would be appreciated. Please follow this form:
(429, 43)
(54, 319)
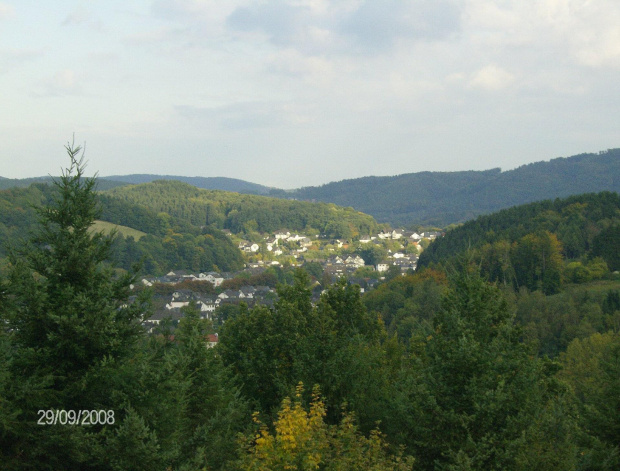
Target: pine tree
(68, 321)
(477, 399)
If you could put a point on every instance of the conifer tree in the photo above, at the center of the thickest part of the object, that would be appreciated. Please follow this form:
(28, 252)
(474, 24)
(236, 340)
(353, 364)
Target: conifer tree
(477, 399)
(68, 320)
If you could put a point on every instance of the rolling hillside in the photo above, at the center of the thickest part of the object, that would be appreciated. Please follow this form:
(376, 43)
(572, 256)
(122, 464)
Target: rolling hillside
(6, 183)
(538, 245)
(160, 241)
(108, 227)
(207, 183)
(423, 198)
(244, 213)
(442, 198)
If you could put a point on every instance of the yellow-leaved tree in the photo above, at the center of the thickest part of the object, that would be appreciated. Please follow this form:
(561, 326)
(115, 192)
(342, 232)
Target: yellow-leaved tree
(303, 441)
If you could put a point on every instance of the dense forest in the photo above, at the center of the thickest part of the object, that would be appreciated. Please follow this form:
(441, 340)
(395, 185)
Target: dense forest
(443, 198)
(426, 198)
(168, 244)
(437, 370)
(207, 183)
(528, 246)
(245, 213)
(8, 183)
(182, 223)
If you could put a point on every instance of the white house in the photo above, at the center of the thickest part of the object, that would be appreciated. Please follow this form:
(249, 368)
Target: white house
(212, 277)
(397, 233)
(282, 235)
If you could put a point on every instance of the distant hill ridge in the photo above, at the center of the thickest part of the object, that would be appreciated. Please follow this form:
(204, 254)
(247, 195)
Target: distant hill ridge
(243, 213)
(6, 183)
(442, 198)
(207, 183)
(428, 198)
(506, 243)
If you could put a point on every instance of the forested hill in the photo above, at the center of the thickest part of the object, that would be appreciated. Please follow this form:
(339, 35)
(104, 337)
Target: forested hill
(442, 198)
(105, 183)
(427, 198)
(6, 183)
(533, 245)
(169, 243)
(244, 213)
(207, 183)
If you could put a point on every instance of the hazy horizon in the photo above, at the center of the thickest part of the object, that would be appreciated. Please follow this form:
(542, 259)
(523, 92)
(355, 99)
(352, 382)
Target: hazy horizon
(111, 176)
(304, 92)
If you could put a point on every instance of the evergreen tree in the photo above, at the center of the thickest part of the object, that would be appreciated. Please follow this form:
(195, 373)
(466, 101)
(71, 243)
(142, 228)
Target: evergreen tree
(592, 369)
(66, 314)
(475, 397)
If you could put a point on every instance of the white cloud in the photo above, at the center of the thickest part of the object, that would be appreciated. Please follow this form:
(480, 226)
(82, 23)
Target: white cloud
(317, 70)
(237, 116)
(350, 28)
(64, 83)
(584, 31)
(587, 29)
(83, 17)
(492, 77)
(77, 17)
(604, 52)
(14, 57)
(326, 79)
(153, 36)
(6, 10)
(193, 10)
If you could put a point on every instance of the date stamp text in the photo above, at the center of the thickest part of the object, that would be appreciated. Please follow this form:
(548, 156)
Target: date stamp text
(72, 417)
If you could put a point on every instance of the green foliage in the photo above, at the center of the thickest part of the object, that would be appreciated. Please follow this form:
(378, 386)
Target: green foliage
(442, 198)
(592, 369)
(407, 305)
(525, 245)
(72, 341)
(67, 314)
(335, 344)
(537, 262)
(244, 213)
(314, 269)
(208, 183)
(606, 244)
(194, 250)
(366, 272)
(476, 392)
(372, 254)
(63, 289)
(551, 323)
(455, 378)
(169, 243)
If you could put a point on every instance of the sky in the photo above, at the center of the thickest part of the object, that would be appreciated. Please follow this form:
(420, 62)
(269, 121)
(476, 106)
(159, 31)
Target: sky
(303, 92)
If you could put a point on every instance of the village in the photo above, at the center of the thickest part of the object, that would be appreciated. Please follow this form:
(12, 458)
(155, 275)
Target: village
(366, 261)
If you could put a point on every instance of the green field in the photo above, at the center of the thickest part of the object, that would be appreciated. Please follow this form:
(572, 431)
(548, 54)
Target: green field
(598, 286)
(125, 231)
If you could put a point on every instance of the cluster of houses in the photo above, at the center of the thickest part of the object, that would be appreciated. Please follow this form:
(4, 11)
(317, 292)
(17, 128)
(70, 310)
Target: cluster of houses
(334, 266)
(285, 243)
(275, 244)
(398, 234)
(337, 266)
(178, 276)
(207, 304)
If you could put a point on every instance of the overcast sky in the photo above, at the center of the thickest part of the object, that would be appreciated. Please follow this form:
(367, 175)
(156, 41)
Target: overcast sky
(297, 93)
